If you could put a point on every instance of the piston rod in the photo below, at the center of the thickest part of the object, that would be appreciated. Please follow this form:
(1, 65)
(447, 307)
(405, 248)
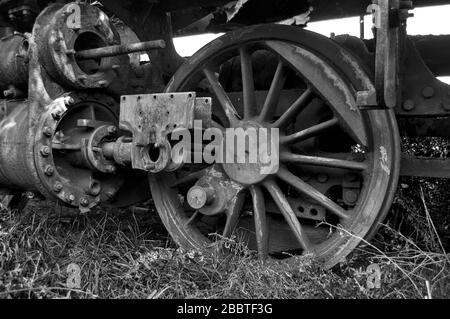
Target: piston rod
(115, 50)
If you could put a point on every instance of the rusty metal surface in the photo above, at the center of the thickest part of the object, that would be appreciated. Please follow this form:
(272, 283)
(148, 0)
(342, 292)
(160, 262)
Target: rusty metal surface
(151, 118)
(13, 61)
(64, 30)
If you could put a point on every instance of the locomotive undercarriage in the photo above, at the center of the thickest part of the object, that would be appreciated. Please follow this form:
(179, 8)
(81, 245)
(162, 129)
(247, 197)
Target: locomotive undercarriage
(84, 122)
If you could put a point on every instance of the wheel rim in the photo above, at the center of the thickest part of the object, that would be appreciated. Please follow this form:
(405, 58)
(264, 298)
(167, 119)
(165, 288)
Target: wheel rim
(323, 81)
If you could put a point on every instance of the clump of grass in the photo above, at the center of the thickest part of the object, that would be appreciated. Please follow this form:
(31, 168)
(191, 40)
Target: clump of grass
(121, 256)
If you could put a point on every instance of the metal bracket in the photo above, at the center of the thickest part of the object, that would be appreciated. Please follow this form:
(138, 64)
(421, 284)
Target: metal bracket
(152, 117)
(390, 22)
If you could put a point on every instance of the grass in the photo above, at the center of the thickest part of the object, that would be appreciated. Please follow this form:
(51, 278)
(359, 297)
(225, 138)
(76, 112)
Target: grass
(128, 254)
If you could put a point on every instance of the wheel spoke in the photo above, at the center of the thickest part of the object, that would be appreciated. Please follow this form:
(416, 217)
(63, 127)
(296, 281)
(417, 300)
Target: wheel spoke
(261, 229)
(233, 213)
(291, 114)
(188, 178)
(309, 132)
(329, 84)
(288, 213)
(322, 161)
(273, 97)
(221, 95)
(248, 86)
(193, 219)
(311, 192)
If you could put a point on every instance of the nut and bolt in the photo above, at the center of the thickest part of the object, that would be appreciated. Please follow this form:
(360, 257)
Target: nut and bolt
(29, 195)
(84, 202)
(8, 93)
(69, 101)
(71, 198)
(47, 131)
(45, 151)
(57, 115)
(58, 187)
(49, 170)
(112, 130)
(351, 196)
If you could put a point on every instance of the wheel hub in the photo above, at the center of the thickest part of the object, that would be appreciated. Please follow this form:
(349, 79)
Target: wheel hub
(251, 152)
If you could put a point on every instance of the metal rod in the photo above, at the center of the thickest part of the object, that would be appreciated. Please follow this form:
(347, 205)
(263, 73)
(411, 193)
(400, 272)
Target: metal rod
(362, 31)
(115, 50)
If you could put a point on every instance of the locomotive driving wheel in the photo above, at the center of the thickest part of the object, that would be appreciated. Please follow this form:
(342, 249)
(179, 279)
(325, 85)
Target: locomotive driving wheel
(338, 166)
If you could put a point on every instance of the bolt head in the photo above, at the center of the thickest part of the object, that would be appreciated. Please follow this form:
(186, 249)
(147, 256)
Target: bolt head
(29, 195)
(428, 92)
(49, 170)
(47, 131)
(71, 198)
(351, 196)
(8, 93)
(112, 130)
(45, 151)
(69, 101)
(58, 187)
(409, 105)
(84, 202)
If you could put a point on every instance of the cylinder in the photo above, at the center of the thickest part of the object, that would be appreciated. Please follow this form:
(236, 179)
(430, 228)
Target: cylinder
(14, 61)
(14, 166)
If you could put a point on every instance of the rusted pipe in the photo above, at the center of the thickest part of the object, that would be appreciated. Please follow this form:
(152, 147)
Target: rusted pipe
(115, 50)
